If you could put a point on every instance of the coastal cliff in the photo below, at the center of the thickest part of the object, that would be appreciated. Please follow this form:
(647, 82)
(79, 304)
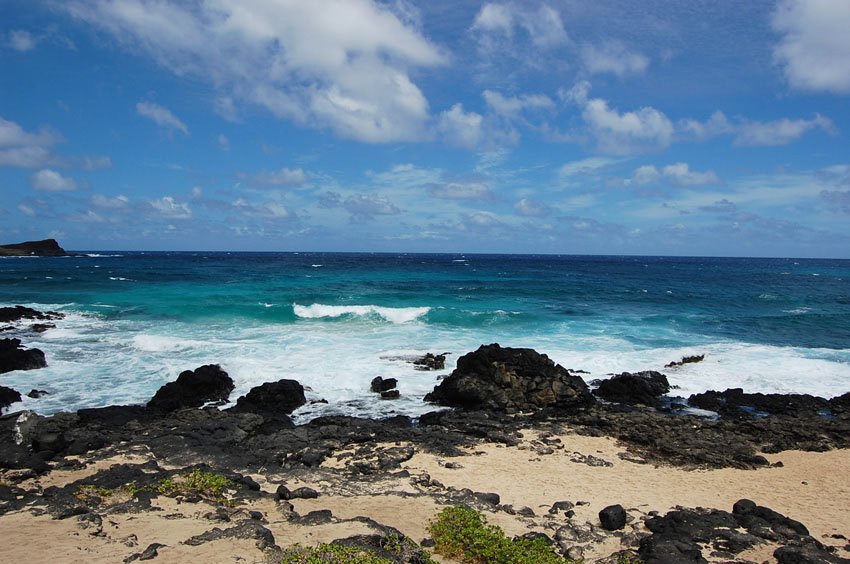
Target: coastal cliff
(45, 248)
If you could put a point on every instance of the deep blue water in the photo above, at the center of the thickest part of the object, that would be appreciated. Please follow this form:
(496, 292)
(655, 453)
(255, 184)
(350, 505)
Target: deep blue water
(334, 321)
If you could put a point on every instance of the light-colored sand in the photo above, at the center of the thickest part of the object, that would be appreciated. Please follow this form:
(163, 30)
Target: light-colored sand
(813, 488)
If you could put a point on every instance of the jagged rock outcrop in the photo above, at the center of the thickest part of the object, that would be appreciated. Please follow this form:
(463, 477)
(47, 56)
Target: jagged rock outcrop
(510, 379)
(8, 396)
(14, 357)
(639, 388)
(272, 399)
(193, 388)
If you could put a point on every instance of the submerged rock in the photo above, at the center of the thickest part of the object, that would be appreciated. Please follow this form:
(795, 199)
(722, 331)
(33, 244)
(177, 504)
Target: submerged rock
(431, 361)
(510, 379)
(14, 357)
(193, 388)
(16, 313)
(639, 388)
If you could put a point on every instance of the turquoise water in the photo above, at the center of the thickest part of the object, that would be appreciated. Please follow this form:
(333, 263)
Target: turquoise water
(335, 321)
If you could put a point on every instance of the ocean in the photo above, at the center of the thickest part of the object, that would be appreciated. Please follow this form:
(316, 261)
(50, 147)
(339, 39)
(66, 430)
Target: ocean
(335, 321)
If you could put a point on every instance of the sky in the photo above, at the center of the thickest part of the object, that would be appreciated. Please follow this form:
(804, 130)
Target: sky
(660, 127)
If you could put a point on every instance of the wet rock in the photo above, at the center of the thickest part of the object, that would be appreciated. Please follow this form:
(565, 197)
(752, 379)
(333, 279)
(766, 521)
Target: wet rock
(272, 399)
(431, 362)
(735, 401)
(383, 384)
(193, 388)
(685, 360)
(639, 388)
(14, 357)
(390, 395)
(16, 313)
(41, 327)
(35, 394)
(8, 396)
(510, 379)
(613, 517)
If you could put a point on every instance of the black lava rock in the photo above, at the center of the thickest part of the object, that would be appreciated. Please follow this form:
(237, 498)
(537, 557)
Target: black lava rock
(193, 389)
(8, 396)
(14, 357)
(613, 517)
(383, 384)
(272, 399)
(510, 380)
(639, 388)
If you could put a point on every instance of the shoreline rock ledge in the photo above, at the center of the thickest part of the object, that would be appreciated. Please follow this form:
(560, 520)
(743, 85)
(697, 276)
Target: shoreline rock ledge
(510, 380)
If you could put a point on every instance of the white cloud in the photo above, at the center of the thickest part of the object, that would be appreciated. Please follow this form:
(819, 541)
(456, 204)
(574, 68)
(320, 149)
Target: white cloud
(678, 174)
(646, 174)
(530, 208)
(365, 206)
(461, 191)
(26, 210)
(779, 132)
(460, 128)
(114, 203)
(87, 217)
(161, 116)
(167, 207)
(223, 142)
(338, 64)
(21, 40)
(613, 57)
(717, 124)
(94, 162)
(24, 157)
(629, 132)
(586, 166)
(47, 180)
(273, 210)
(283, 177)
(495, 22)
(510, 106)
(12, 134)
(815, 44)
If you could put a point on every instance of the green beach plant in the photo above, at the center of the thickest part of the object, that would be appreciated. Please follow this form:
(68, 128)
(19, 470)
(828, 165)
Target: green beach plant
(463, 534)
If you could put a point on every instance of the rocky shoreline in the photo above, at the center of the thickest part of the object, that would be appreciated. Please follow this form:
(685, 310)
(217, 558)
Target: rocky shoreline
(506, 406)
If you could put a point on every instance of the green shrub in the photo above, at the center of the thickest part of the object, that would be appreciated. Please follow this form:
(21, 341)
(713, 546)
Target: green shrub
(463, 534)
(208, 485)
(331, 554)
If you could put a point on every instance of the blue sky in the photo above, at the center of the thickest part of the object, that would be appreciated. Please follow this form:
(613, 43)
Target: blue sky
(563, 126)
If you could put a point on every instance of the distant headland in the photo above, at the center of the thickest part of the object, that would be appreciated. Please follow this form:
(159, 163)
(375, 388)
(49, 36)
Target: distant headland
(45, 248)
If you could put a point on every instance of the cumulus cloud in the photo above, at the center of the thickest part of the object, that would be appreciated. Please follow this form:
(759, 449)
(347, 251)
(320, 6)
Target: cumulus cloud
(21, 40)
(169, 208)
(283, 177)
(161, 116)
(94, 162)
(614, 58)
(24, 149)
(678, 174)
(461, 191)
(511, 106)
(814, 44)
(543, 26)
(47, 180)
(626, 133)
(779, 132)
(364, 207)
(753, 133)
(530, 208)
(460, 128)
(301, 60)
(113, 203)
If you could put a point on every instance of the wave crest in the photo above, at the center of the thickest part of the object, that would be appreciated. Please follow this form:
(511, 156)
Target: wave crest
(391, 314)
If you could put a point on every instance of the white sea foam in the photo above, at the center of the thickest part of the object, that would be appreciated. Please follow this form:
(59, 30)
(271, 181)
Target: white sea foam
(392, 314)
(121, 278)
